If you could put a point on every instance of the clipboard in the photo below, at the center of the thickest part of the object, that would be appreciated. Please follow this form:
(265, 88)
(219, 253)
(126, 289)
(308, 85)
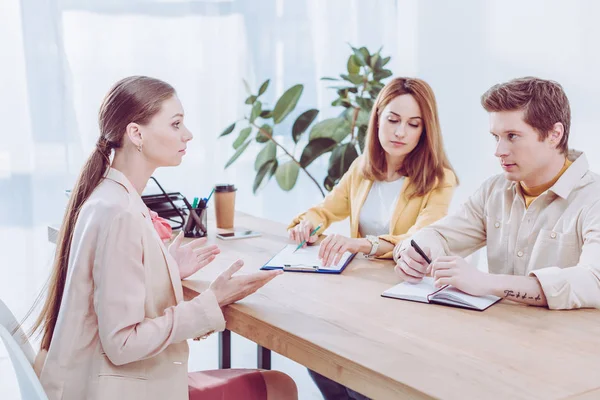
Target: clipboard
(305, 260)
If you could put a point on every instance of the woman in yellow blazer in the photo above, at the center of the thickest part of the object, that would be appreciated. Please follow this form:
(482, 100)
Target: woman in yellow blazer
(115, 323)
(402, 182)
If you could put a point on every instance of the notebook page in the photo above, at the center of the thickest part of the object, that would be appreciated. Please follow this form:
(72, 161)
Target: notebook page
(308, 256)
(453, 295)
(412, 291)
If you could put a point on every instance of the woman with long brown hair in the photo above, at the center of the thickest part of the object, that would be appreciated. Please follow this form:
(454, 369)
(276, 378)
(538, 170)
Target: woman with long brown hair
(115, 323)
(401, 183)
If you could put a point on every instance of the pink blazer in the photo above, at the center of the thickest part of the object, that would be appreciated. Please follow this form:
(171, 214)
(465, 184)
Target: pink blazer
(122, 328)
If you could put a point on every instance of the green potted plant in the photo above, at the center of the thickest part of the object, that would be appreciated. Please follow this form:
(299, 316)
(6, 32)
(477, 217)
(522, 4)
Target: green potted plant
(343, 136)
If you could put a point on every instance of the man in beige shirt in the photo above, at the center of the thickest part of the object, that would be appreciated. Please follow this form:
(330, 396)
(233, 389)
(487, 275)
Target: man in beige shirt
(540, 219)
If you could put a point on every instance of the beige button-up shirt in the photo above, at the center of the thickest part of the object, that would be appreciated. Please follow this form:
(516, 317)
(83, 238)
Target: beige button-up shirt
(556, 239)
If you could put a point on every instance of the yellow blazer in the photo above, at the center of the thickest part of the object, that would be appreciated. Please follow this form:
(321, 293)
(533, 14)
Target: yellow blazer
(348, 196)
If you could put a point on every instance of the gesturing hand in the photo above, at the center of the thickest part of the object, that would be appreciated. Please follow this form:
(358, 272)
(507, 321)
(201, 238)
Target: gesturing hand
(192, 256)
(229, 289)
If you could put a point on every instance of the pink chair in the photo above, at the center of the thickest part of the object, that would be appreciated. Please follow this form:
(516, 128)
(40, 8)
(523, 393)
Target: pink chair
(221, 384)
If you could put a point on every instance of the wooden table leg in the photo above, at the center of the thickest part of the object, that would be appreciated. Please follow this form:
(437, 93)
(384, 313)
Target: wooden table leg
(263, 357)
(225, 349)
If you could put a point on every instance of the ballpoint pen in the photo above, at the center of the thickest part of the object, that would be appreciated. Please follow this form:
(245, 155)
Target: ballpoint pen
(209, 196)
(304, 241)
(427, 259)
(420, 251)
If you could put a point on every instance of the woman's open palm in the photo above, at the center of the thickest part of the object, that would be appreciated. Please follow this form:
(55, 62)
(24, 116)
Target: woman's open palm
(192, 256)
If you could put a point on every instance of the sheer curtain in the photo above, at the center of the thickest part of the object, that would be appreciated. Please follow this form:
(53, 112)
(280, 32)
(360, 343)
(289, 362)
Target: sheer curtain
(464, 47)
(59, 58)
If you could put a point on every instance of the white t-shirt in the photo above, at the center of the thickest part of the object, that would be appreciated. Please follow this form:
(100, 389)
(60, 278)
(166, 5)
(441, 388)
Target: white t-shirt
(377, 210)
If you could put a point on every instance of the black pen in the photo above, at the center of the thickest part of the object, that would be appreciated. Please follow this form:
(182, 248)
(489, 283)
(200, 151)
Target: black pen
(420, 251)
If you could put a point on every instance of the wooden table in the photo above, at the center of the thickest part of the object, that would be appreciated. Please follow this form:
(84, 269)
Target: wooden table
(340, 326)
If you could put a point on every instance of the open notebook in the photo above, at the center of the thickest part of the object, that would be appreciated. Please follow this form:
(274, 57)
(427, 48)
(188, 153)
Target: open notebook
(305, 260)
(425, 292)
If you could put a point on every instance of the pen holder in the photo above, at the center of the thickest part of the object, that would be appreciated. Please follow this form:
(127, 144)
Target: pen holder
(196, 225)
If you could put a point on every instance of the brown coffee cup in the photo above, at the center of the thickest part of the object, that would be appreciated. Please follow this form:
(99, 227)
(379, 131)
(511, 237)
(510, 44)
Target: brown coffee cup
(225, 205)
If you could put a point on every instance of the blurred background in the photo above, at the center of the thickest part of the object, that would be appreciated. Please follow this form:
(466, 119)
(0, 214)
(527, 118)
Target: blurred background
(58, 58)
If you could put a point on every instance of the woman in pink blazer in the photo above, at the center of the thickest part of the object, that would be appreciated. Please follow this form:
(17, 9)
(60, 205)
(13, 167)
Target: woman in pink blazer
(115, 323)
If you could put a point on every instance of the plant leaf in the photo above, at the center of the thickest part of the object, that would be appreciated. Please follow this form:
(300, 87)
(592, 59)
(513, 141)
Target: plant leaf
(352, 89)
(365, 104)
(374, 93)
(327, 78)
(360, 58)
(266, 170)
(244, 133)
(341, 159)
(346, 103)
(302, 123)
(268, 153)
(353, 67)
(266, 114)
(365, 53)
(248, 90)
(256, 109)
(356, 79)
(263, 87)
(363, 117)
(260, 137)
(385, 61)
(228, 130)
(286, 103)
(251, 99)
(238, 153)
(376, 62)
(331, 128)
(287, 175)
(376, 85)
(384, 73)
(314, 149)
(360, 137)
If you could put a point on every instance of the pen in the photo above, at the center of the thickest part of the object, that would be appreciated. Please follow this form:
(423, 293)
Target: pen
(304, 241)
(195, 204)
(422, 254)
(420, 251)
(210, 195)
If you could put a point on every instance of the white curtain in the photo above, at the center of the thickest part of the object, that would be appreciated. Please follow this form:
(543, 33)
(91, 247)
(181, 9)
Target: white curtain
(464, 47)
(60, 57)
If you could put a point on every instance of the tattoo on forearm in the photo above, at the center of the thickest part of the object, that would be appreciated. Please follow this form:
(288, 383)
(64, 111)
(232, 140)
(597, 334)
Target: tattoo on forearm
(511, 293)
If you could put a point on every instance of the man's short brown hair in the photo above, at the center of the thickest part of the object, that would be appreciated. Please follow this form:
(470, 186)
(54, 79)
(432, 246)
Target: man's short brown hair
(544, 102)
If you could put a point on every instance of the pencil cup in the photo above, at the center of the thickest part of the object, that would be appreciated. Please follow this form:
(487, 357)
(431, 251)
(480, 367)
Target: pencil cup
(196, 225)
